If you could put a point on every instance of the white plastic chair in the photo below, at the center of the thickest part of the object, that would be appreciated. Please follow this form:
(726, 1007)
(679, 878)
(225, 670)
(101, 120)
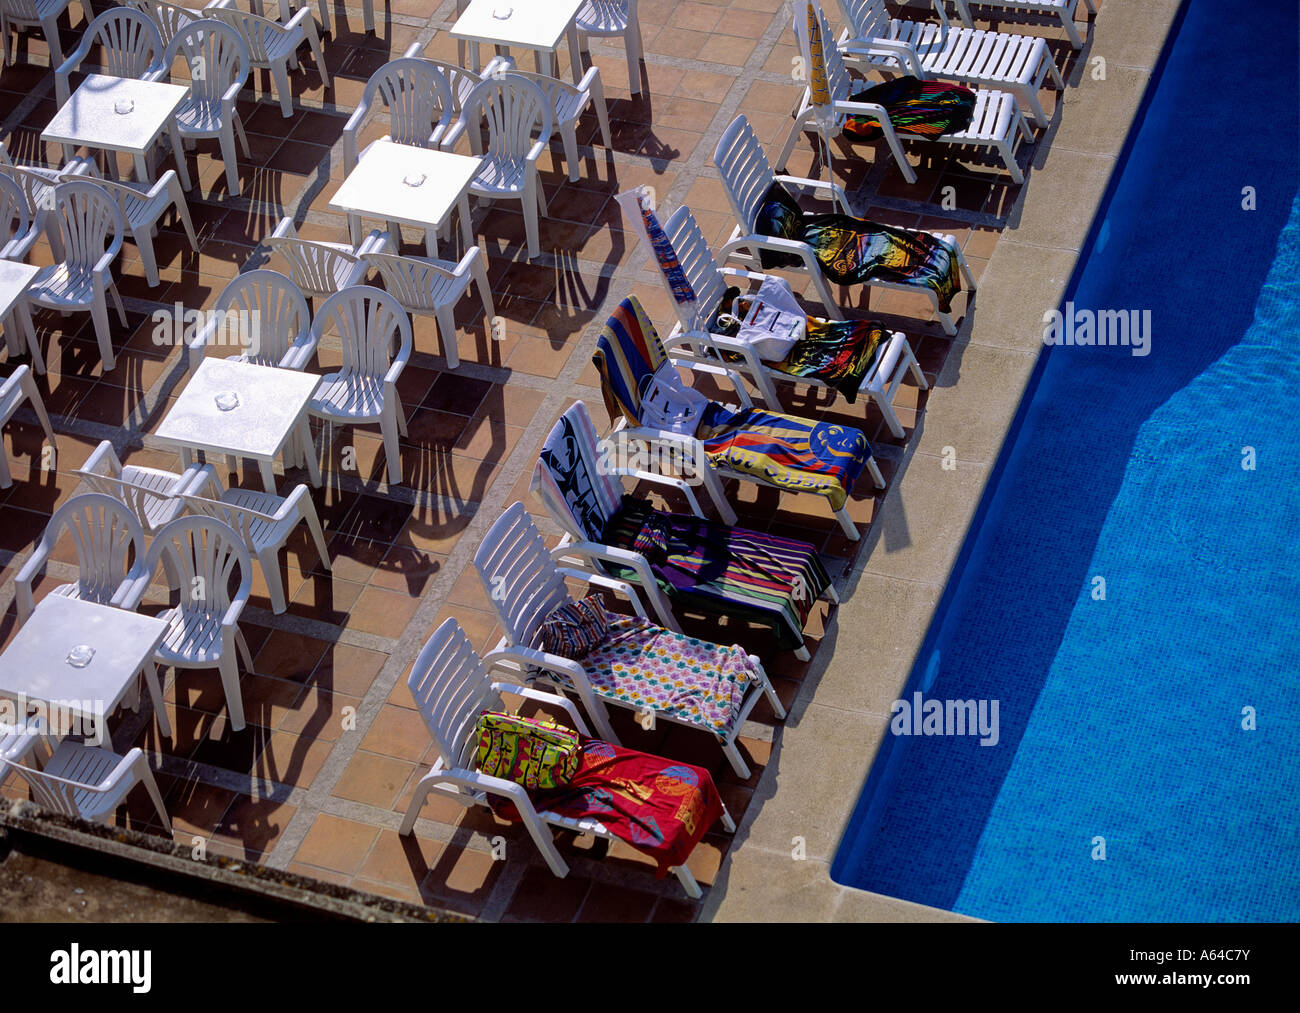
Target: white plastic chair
(452, 686)
(130, 46)
(369, 321)
(516, 111)
(17, 388)
(608, 18)
(418, 99)
(143, 206)
(29, 14)
(321, 269)
(84, 782)
(263, 520)
(37, 183)
(108, 541)
(567, 104)
(525, 586)
(19, 230)
(170, 18)
(202, 556)
(893, 362)
(1062, 9)
(91, 227)
(275, 313)
(747, 176)
(273, 46)
(433, 288)
(1015, 63)
(151, 494)
(217, 51)
(286, 6)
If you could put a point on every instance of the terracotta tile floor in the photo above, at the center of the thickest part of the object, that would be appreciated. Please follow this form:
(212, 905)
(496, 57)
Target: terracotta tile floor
(319, 779)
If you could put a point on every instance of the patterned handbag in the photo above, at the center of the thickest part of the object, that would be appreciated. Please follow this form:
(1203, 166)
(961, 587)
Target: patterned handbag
(531, 752)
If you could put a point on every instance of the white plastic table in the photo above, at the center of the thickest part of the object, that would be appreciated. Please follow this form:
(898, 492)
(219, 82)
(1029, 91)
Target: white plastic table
(90, 118)
(538, 25)
(269, 407)
(14, 279)
(35, 668)
(408, 185)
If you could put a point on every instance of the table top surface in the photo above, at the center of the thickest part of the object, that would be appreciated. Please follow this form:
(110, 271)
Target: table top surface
(379, 186)
(14, 279)
(271, 401)
(89, 116)
(530, 24)
(35, 663)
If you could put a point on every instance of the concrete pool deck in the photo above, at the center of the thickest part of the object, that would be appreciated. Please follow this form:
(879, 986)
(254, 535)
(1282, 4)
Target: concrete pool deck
(317, 783)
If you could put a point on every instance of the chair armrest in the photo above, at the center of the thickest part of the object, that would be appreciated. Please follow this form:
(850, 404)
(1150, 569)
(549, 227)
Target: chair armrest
(804, 183)
(284, 229)
(194, 350)
(290, 504)
(299, 353)
(649, 584)
(304, 14)
(27, 575)
(200, 476)
(232, 93)
(124, 589)
(376, 241)
(351, 131)
(103, 454)
(536, 151)
(230, 620)
(454, 132)
(534, 694)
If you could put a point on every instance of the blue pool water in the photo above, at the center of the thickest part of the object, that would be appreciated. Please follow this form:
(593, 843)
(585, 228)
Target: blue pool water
(1121, 720)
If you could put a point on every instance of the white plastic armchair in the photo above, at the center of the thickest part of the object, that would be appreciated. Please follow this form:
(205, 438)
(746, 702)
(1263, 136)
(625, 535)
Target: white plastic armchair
(19, 230)
(418, 99)
(81, 781)
(31, 13)
(1062, 9)
(37, 183)
(433, 288)
(143, 206)
(203, 556)
(108, 542)
(568, 101)
(692, 336)
(273, 312)
(151, 494)
(747, 176)
(273, 46)
(91, 227)
(613, 18)
(369, 323)
(452, 686)
(16, 388)
(209, 110)
(170, 18)
(526, 585)
(263, 520)
(130, 45)
(841, 87)
(319, 268)
(519, 122)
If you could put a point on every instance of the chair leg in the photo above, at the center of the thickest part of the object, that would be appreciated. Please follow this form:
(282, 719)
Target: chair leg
(22, 316)
(146, 778)
(227, 141)
(270, 560)
(230, 683)
(369, 10)
(797, 128)
(242, 646)
(570, 138)
(6, 479)
(51, 26)
(28, 386)
(417, 803)
(280, 76)
(447, 334)
(99, 314)
(317, 54)
(484, 290)
(144, 246)
(392, 447)
(318, 536)
(632, 43)
(530, 216)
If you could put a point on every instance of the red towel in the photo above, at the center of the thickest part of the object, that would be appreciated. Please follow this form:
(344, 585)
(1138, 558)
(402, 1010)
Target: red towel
(660, 807)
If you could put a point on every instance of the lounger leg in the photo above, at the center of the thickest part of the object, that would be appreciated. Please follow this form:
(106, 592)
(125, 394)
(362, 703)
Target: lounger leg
(1008, 156)
(1067, 22)
(737, 761)
(876, 476)
(691, 887)
(768, 689)
(1030, 98)
(800, 123)
(832, 594)
(728, 824)
(887, 410)
(802, 653)
(417, 803)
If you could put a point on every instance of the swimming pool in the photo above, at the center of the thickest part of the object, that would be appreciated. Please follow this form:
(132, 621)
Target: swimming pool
(1148, 741)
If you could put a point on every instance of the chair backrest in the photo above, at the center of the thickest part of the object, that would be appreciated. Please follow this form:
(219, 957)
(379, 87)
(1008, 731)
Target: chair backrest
(579, 494)
(58, 794)
(837, 72)
(168, 18)
(867, 19)
(451, 689)
(90, 222)
(313, 267)
(628, 352)
(256, 31)
(241, 519)
(106, 537)
(368, 321)
(215, 54)
(37, 187)
(141, 500)
(609, 16)
(418, 97)
(522, 581)
(698, 265)
(460, 80)
(20, 10)
(206, 555)
(517, 113)
(746, 173)
(15, 214)
(130, 43)
(271, 310)
(410, 279)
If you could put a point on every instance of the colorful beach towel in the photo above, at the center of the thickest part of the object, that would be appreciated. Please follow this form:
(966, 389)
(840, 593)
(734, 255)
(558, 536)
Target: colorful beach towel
(792, 453)
(658, 806)
(839, 353)
(720, 570)
(916, 107)
(851, 250)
